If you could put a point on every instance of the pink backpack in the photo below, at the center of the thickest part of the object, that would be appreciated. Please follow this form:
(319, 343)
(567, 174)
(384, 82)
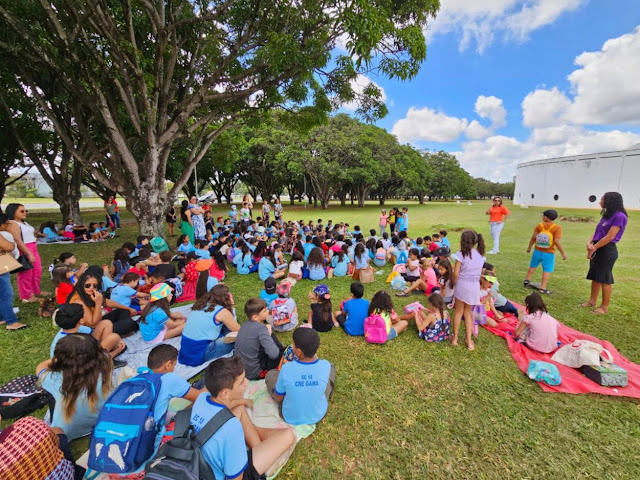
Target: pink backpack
(375, 329)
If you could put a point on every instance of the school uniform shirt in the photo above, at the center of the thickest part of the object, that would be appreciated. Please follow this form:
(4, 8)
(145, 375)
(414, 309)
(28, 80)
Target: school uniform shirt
(122, 294)
(203, 254)
(307, 249)
(153, 324)
(265, 268)
(83, 419)
(171, 386)
(357, 309)
(225, 452)
(362, 261)
(295, 267)
(445, 242)
(340, 268)
(243, 263)
(201, 329)
(303, 386)
(83, 329)
(268, 297)
(316, 272)
(182, 248)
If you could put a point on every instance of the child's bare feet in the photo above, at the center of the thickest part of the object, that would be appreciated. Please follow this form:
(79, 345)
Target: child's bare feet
(470, 345)
(454, 342)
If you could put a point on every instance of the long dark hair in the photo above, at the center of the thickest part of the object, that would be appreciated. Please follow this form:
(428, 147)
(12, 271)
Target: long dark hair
(64, 256)
(344, 250)
(10, 211)
(380, 303)
(260, 250)
(315, 258)
(325, 310)
(201, 284)
(358, 252)
(59, 275)
(534, 303)
(163, 304)
(79, 288)
(83, 363)
(218, 259)
(218, 295)
(470, 239)
(611, 204)
(436, 300)
(446, 264)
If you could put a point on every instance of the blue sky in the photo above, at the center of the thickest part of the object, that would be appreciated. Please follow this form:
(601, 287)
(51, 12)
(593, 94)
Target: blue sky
(508, 81)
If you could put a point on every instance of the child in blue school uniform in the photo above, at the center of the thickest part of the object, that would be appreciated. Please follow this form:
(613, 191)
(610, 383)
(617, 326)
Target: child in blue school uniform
(243, 261)
(268, 294)
(127, 294)
(157, 321)
(202, 250)
(184, 245)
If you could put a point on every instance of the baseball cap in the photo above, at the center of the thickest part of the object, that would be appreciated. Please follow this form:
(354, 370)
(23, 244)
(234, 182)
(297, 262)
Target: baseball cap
(270, 285)
(322, 290)
(442, 252)
(159, 291)
(550, 214)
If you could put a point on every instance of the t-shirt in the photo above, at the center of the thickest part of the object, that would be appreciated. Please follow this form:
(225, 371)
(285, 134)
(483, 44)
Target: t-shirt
(211, 282)
(295, 267)
(82, 329)
(200, 330)
(83, 419)
(171, 386)
(543, 332)
(618, 219)
(50, 234)
(496, 214)
(357, 309)
(166, 269)
(62, 292)
(268, 297)
(316, 272)
(225, 451)
(307, 249)
(203, 253)
(317, 321)
(153, 324)
(445, 242)
(555, 230)
(303, 385)
(122, 294)
(253, 338)
(245, 214)
(182, 248)
(110, 208)
(383, 220)
(340, 268)
(362, 261)
(243, 263)
(265, 268)
(499, 300)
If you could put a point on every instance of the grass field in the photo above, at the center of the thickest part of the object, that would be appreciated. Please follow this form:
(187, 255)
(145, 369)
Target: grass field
(409, 409)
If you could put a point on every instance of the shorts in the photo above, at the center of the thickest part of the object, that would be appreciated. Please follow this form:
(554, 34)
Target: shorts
(159, 338)
(547, 260)
(392, 334)
(250, 473)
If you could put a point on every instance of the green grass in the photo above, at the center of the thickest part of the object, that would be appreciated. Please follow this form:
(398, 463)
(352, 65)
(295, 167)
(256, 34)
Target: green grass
(410, 409)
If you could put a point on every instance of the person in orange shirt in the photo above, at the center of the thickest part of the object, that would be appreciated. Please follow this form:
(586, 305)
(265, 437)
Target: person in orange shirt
(498, 213)
(546, 238)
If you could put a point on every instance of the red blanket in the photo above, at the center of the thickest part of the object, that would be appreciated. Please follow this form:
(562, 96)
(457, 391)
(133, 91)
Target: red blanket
(573, 381)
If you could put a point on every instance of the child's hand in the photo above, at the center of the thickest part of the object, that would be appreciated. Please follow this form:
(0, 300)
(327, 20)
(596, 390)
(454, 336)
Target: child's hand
(268, 325)
(133, 311)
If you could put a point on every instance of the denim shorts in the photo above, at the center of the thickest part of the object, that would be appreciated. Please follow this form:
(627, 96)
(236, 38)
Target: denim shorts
(547, 260)
(392, 334)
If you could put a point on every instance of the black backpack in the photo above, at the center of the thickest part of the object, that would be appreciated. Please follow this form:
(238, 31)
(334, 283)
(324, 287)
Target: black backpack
(181, 457)
(22, 396)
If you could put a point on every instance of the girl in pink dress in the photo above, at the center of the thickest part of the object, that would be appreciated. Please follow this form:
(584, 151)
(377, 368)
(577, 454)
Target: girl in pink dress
(466, 280)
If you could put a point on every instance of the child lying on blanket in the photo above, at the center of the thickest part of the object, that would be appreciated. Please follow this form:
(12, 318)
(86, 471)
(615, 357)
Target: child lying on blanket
(537, 329)
(238, 448)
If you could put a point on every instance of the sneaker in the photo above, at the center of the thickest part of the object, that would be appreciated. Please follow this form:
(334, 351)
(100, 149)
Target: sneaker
(491, 252)
(118, 363)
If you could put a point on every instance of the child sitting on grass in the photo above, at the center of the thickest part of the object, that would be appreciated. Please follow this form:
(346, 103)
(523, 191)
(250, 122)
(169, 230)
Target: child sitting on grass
(339, 263)
(433, 322)
(283, 309)
(125, 292)
(268, 293)
(296, 265)
(321, 317)
(381, 305)
(157, 321)
(305, 386)
(316, 264)
(354, 311)
(256, 344)
(537, 329)
(68, 317)
(61, 278)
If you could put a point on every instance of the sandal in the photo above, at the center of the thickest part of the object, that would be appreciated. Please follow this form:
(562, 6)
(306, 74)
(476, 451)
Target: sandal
(402, 294)
(587, 304)
(526, 283)
(21, 327)
(600, 311)
(544, 291)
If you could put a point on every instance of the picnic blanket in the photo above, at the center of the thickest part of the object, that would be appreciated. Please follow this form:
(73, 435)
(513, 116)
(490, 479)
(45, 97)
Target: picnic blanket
(573, 381)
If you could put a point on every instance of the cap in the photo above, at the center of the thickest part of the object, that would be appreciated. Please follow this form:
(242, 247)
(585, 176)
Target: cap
(270, 285)
(261, 229)
(490, 278)
(284, 289)
(204, 264)
(322, 291)
(550, 214)
(160, 291)
(442, 252)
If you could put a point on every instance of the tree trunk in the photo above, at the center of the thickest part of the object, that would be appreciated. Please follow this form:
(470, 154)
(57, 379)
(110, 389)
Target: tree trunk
(315, 201)
(383, 198)
(148, 201)
(343, 199)
(70, 208)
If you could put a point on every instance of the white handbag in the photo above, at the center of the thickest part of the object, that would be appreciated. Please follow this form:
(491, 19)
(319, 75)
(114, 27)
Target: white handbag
(582, 352)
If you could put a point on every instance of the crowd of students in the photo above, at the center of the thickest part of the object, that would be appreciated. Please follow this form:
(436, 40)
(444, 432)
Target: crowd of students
(139, 286)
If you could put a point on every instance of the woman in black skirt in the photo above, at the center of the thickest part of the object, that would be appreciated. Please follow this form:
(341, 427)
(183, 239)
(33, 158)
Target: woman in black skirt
(602, 251)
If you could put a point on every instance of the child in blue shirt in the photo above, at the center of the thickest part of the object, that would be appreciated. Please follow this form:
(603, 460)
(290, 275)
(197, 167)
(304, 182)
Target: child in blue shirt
(339, 263)
(227, 452)
(157, 321)
(184, 245)
(444, 240)
(316, 264)
(124, 293)
(202, 251)
(267, 266)
(269, 292)
(304, 386)
(243, 261)
(354, 311)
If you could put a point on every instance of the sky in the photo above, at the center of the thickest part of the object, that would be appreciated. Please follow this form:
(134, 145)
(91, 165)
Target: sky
(508, 81)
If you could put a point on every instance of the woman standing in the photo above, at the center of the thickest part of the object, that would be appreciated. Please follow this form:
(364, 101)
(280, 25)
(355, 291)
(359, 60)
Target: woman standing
(602, 251)
(24, 236)
(170, 218)
(186, 224)
(197, 219)
(8, 245)
(112, 213)
(498, 214)
(277, 210)
(247, 199)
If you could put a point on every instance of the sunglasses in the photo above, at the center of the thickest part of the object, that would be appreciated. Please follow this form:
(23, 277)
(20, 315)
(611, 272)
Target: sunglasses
(90, 285)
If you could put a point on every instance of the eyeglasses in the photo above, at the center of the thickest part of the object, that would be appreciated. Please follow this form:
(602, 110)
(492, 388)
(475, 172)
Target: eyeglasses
(90, 285)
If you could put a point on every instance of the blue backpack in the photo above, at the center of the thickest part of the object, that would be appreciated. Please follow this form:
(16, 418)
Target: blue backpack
(402, 257)
(124, 435)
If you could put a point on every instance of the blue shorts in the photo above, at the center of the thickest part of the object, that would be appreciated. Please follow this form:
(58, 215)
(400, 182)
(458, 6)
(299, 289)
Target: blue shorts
(392, 334)
(548, 260)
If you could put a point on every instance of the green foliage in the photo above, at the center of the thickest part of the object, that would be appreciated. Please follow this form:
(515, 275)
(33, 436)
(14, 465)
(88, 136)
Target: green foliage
(487, 188)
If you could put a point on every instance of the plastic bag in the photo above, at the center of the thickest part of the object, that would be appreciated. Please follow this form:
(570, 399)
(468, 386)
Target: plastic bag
(544, 372)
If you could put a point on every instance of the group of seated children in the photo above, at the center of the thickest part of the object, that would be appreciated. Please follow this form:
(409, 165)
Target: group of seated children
(49, 233)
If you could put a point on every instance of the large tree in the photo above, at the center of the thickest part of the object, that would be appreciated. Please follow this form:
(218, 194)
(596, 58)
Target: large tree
(140, 75)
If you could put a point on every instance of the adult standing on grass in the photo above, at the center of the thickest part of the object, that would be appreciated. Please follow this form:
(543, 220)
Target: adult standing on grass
(112, 212)
(277, 210)
(7, 247)
(24, 236)
(186, 225)
(197, 219)
(602, 251)
(498, 214)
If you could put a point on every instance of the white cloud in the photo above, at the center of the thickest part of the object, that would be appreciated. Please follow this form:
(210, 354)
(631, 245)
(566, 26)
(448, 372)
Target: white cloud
(358, 85)
(491, 108)
(544, 108)
(607, 84)
(426, 124)
(480, 22)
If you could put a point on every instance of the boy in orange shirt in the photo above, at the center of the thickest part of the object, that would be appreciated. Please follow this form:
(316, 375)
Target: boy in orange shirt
(546, 237)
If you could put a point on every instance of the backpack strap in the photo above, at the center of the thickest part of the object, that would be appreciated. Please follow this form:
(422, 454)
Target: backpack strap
(183, 421)
(213, 425)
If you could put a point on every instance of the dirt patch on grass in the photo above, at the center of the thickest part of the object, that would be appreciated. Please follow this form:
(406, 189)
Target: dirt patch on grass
(450, 227)
(577, 218)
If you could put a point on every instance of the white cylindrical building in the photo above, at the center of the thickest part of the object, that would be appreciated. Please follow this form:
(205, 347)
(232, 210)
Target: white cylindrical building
(579, 181)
